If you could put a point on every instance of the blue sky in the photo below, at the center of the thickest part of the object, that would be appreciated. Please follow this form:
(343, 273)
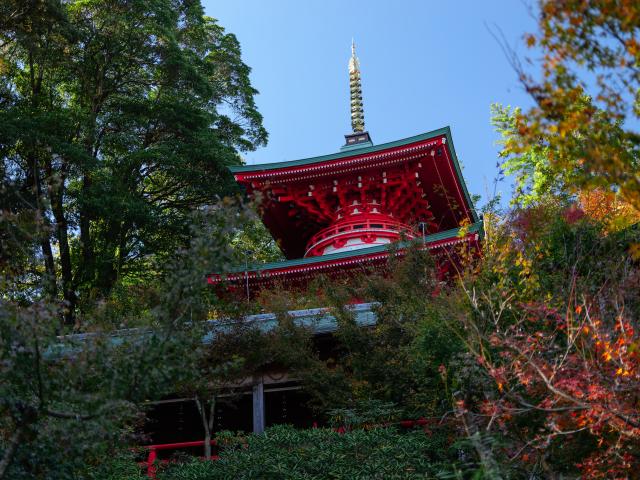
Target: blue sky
(424, 64)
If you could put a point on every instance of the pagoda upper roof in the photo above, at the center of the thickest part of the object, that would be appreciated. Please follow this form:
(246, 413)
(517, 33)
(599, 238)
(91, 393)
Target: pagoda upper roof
(238, 170)
(286, 185)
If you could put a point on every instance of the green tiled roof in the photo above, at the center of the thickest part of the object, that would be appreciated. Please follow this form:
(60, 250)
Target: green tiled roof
(346, 153)
(454, 232)
(446, 131)
(319, 320)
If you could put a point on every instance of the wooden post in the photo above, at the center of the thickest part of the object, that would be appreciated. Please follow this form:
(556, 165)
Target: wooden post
(258, 406)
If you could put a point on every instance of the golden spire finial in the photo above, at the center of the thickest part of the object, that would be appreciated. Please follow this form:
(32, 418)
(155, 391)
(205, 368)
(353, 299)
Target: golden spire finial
(355, 87)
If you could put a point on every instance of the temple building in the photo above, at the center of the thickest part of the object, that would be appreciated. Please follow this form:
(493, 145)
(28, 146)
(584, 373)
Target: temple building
(335, 212)
(332, 214)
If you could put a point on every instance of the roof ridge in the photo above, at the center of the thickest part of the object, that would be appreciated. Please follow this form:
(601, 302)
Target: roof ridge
(446, 130)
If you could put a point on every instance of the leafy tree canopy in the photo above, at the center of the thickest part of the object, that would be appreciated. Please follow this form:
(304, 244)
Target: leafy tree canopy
(582, 128)
(116, 120)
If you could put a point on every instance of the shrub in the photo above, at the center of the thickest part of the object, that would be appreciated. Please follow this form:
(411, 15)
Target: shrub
(286, 453)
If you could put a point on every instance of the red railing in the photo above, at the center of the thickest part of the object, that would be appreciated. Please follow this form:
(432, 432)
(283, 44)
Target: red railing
(365, 223)
(152, 457)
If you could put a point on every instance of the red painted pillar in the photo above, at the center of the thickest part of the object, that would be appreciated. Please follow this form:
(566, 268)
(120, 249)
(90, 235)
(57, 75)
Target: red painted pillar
(151, 459)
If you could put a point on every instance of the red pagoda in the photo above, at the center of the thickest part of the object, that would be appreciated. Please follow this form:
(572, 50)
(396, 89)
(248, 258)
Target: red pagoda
(331, 213)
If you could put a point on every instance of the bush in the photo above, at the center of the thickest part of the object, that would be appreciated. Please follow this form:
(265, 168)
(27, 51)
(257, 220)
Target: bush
(283, 452)
(552, 319)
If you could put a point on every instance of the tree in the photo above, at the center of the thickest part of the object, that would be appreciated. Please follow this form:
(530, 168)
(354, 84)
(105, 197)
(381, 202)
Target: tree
(254, 243)
(551, 317)
(118, 119)
(534, 177)
(536, 180)
(66, 401)
(398, 361)
(587, 101)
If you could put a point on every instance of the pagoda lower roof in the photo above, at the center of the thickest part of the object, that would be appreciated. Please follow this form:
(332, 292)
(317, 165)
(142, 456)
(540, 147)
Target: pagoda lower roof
(315, 265)
(318, 320)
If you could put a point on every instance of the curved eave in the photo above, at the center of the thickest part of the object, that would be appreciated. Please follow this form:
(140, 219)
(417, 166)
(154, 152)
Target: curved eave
(317, 264)
(262, 167)
(241, 170)
(318, 320)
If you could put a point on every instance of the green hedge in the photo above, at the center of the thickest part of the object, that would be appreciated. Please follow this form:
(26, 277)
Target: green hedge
(283, 452)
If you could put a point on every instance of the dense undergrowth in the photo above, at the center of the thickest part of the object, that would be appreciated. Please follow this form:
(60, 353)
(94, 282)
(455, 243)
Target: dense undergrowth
(526, 362)
(284, 452)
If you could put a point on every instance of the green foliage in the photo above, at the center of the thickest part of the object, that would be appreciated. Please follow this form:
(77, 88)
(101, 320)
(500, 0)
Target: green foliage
(67, 401)
(534, 177)
(91, 386)
(397, 362)
(117, 119)
(553, 166)
(366, 413)
(254, 244)
(585, 96)
(116, 465)
(285, 453)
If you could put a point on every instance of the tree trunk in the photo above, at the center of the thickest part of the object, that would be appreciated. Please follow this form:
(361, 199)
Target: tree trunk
(207, 444)
(122, 244)
(57, 207)
(87, 271)
(207, 421)
(35, 184)
(86, 245)
(7, 456)
(50, 268)
(108, 269)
